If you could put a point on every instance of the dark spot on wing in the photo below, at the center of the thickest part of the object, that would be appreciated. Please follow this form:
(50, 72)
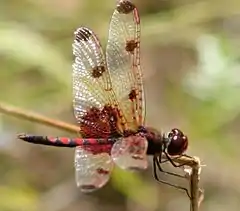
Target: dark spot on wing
(130, 46)
(125, 7)
(98, 71)
(82, 34)
(132, 95)
(102, 171)
(100, 123)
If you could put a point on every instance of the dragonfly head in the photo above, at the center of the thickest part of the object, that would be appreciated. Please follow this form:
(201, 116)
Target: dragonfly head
(175, 142)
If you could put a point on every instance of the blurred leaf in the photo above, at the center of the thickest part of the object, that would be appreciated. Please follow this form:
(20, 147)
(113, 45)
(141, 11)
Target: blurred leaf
(216, 79)
(30, 48)
(135, 188)
(13, 198)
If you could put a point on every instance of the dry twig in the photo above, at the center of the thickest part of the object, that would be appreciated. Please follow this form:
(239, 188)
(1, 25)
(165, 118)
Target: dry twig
(192, 162)
(13, 111)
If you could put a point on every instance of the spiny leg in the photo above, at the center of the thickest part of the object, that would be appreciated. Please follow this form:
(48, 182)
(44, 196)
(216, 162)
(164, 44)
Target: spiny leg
(172, 162)
(157, 160)
(165, 182)
(166, 159)
(175, 158)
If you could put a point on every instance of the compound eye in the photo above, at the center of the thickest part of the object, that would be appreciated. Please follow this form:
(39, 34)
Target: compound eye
(178, 142)
(176, 132)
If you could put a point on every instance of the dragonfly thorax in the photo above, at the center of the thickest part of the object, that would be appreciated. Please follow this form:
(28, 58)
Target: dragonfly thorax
(154, 138)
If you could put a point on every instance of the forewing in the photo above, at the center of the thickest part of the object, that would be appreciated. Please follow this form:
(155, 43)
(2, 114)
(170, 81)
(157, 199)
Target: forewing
(123, 61)
(94, 102)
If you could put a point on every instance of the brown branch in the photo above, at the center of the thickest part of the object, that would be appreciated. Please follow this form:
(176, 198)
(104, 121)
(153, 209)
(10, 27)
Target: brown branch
(17, 112)
(193, 174)
(192, 162)
(194, 185)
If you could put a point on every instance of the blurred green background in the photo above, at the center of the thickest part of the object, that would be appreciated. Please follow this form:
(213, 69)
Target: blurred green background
(191, 63)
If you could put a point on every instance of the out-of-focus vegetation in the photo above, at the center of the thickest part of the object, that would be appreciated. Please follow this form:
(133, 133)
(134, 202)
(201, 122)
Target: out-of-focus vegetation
(190, 58)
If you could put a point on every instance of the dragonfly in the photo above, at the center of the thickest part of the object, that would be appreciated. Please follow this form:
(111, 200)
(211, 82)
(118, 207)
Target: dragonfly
(109, 106)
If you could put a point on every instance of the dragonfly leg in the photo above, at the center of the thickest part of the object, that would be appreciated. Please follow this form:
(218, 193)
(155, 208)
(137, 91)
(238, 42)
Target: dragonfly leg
(155, 161)
(166, 159)
(185, 155)
(172, 162)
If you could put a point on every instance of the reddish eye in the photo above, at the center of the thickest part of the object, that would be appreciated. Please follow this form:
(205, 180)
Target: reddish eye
(178, 142)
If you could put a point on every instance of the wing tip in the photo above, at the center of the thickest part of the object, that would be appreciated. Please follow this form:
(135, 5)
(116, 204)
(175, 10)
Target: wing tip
(125, 7)
(82, 34)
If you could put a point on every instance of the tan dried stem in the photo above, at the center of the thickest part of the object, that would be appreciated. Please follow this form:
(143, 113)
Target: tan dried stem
(193, 174)
(196, 194)
(192, 162)
(20, 113)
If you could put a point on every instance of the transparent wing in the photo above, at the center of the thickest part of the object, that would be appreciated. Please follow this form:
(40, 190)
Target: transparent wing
(92, 171)
(130, 152)
(123, 61)
(95, 105)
